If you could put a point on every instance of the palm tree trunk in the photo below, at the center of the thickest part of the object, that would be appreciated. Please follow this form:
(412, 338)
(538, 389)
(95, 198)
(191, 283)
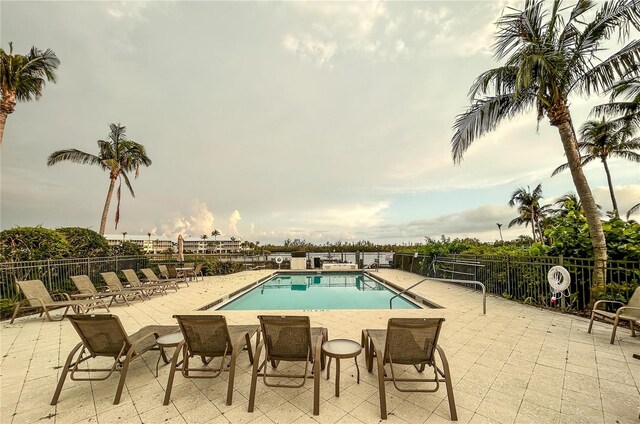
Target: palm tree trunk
(3, 119)
(533, 223)
(588, 203)
(613, 196)
(107, 203)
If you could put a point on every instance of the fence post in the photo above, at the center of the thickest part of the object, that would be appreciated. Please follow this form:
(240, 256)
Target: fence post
(508, 275)
(562, 301)
(49, 273)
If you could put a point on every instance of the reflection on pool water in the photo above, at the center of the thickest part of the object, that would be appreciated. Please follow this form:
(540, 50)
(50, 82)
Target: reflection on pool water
(318, 291)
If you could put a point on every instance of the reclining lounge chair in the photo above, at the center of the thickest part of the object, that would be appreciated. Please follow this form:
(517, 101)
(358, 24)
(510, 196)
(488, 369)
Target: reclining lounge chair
(37, 297)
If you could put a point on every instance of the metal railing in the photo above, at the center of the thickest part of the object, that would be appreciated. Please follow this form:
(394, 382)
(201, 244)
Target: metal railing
(524, 278)
(56, 273)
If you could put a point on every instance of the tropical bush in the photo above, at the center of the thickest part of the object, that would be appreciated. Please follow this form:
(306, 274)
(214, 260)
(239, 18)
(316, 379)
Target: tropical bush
(216, 267)
(32, 244)
(127, 248)
(84, 242)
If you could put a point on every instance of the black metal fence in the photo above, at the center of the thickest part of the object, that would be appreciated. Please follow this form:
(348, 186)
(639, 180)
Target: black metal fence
(524, 278)
(56, 273)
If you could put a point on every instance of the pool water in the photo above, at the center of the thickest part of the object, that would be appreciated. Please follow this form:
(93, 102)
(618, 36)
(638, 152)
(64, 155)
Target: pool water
(318, 291)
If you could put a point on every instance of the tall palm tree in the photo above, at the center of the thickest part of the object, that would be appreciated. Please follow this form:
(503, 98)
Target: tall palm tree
(215, 234)
(204, 237)
(549, 56)
(118, 156)
(529, 210)
(124, 235)
(602, 140)
(23, 77)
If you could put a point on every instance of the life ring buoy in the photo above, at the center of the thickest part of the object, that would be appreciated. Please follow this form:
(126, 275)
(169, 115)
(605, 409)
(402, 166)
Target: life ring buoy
(559, 278)
(279, 260)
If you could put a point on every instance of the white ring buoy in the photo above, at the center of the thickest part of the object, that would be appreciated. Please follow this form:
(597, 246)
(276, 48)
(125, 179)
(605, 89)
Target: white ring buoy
(559, 278)
(279, 260)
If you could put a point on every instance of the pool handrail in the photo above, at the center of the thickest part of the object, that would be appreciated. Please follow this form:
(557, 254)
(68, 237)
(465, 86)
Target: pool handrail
(477, 283)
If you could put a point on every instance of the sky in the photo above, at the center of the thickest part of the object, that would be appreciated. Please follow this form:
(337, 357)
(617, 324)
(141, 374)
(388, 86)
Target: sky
(322, 121)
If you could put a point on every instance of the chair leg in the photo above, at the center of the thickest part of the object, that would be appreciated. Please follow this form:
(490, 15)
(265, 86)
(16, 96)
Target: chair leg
(317, 363)
(15, 313)
(172, 372)
(615, 327)
(449, 384)
(381, 389)
(593, 316)
(232, 374)
(249, 350)
(254, 376)
(63, 376)
(123, 376)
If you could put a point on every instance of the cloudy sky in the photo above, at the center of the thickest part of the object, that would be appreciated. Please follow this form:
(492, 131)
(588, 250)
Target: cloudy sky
(321, 121)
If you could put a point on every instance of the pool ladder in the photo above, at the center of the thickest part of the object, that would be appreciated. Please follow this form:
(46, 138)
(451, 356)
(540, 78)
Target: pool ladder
(477, 283)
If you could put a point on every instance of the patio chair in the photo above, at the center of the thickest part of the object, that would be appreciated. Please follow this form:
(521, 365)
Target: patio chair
(113, 282)
(193, 273)
(209, 337)
(103, 336)
(37, 297)
(88, 291)
(629, 312)
(132, 278)
(173, 273)
(408, 341)
(289, 339)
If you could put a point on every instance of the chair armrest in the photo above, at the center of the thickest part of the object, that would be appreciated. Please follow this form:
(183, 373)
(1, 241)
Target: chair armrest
(33, 299)
(599, 302)
(60, 296)
(619, 310)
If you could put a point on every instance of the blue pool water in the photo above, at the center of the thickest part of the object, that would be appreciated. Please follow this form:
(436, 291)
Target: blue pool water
(318, 291)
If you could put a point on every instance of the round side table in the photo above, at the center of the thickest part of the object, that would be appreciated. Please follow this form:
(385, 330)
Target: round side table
(341, 349)
(169, 340)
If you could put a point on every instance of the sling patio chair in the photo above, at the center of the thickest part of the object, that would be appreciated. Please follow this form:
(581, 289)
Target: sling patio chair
(408, 341)
(104, 336)
(88, 291)
(113, 282)
(194, 272)
(629, 312)
(132, 278)
(173, 273)
(153, 278)
(37, 297)
(289, 339)
(209, 337)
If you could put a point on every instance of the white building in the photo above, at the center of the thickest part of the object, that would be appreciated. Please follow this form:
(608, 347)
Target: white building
(153, 244)
(158, 244)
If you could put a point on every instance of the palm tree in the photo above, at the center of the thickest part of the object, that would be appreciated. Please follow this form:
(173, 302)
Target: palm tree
(118, 156)
(124, 235)
(204, 245)
(215, 234)
(635, 208)
(549, 56)
(602, 140)
(626, 111)
(149, 245)
(529, 210)
(23, 77)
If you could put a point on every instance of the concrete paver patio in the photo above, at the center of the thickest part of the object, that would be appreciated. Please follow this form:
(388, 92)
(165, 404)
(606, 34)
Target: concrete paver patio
(517, 364)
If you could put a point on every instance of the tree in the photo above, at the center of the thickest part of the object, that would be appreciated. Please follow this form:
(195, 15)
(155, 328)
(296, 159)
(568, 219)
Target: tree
(23, 77)
(529, 210)
(603, 139)
(549, 56)
(204, 237)
(625, 110)
(124, 235)
(215, 234)
(118, 156)
(84, 243)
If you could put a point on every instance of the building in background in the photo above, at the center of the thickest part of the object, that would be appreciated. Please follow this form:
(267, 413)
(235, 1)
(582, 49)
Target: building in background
(160, 244)
(153, 244)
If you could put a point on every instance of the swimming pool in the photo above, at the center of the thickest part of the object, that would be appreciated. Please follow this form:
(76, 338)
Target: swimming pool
(318, 291)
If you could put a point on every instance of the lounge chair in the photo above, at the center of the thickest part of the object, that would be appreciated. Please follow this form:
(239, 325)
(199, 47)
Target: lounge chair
(629, 312)
(113, 282)
(173, 273)
(37, 297)
(209, 337)
(408, 341)
(132, 278)
(289, 339)
(104, 336)
(164, 276)
(88, 291)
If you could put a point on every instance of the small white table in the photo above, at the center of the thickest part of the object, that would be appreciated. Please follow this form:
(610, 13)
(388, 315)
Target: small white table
(341, 349)
(169, 340)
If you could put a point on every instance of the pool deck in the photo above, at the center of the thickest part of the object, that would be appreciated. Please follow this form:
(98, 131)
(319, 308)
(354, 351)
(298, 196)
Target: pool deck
(517, 364)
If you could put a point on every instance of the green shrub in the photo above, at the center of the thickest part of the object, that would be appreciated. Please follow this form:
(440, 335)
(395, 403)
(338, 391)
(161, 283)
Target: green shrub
(127, 248)
(85, 242)
(216, 267)
(32, 244)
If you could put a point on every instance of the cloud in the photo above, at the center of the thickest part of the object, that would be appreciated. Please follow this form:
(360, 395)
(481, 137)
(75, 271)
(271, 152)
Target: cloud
(348, 216)
(234, 218)
(127, 9)
(309, 48)
(199, 221)
(626, 196)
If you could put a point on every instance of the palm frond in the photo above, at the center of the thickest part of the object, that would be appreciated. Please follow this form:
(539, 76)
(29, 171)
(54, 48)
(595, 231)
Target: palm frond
(559, 169)
(483, 116)
(634, 209)
(128, 183)
(73, 155)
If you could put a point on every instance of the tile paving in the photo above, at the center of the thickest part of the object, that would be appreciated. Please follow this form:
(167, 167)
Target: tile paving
(517, 364)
